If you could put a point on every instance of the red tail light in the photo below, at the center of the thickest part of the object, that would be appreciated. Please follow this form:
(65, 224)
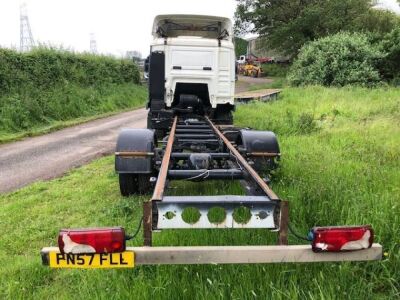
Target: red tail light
(92, 240)
(336, 239)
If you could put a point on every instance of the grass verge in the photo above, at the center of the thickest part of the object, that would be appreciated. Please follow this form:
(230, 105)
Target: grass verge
(340, 165)
(75, 105)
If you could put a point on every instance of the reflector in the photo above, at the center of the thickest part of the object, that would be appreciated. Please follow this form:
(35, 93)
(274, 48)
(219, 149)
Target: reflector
(345, 238)
(92, 240)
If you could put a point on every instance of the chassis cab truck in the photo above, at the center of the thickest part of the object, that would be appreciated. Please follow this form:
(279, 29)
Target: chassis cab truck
(191, 69)
(191, 137)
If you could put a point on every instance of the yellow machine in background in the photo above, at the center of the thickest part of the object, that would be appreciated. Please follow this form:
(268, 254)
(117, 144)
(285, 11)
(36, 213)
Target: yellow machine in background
(250, 69)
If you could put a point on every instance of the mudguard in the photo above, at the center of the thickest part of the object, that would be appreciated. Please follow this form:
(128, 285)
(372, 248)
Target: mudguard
(135, 140)
(258, 141)
(252, 141)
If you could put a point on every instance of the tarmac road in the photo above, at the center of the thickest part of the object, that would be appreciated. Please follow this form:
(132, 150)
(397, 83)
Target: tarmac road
(51, 155)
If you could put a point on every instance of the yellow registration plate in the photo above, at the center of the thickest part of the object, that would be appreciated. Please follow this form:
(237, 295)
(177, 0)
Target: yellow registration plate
(91, 260)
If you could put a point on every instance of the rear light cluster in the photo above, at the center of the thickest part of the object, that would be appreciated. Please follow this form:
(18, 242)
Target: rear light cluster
(112, 240)
(92, 240)
(335, 239)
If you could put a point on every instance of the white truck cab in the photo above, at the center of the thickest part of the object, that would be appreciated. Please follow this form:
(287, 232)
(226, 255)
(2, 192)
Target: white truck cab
(192, 59)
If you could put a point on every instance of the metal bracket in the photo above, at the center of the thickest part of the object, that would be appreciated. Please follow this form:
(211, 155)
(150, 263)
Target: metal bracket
(283, 224)
(261, 212)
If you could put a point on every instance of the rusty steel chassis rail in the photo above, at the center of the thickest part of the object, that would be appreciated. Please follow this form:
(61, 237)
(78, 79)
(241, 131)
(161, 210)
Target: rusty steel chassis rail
(161, 182)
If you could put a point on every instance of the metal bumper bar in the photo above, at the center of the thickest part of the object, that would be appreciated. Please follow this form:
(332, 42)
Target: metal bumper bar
(239, 255)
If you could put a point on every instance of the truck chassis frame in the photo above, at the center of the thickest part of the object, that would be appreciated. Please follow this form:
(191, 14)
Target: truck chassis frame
(165, 212)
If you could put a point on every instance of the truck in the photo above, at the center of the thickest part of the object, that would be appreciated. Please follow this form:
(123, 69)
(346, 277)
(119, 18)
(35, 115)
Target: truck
(191, 59)
(251, 58)
(190, 136)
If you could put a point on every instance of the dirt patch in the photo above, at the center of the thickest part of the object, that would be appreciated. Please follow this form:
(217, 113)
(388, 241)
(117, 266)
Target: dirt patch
(244, 83)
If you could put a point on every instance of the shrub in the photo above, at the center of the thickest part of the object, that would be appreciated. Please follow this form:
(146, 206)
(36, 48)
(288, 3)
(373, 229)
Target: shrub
(337, 60)
(46, 68)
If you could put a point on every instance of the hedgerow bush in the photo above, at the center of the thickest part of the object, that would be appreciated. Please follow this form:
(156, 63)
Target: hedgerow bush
(45, 67)
(337, 60)
(47, 85)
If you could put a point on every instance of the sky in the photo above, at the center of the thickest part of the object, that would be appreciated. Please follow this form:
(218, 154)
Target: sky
(390, 4)
(118, 25)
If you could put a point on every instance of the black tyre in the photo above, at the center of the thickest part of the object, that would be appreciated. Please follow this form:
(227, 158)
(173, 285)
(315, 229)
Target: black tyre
(134, 184)
(128, 184)
(144, 184)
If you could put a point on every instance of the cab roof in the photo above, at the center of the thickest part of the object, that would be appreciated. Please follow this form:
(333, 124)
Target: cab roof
(192, 25)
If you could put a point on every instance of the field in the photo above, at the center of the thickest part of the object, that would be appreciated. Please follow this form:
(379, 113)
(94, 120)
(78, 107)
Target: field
(340, 165)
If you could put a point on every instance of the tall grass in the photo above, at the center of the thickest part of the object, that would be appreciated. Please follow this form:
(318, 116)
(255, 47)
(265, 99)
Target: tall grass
(47, 85)
(340, 166)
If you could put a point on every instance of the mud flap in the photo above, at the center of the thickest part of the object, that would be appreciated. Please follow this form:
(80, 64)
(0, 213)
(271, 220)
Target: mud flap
(139, 141)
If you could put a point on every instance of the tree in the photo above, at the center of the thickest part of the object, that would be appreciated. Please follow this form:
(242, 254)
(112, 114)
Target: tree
(289, 24)
(240, 46)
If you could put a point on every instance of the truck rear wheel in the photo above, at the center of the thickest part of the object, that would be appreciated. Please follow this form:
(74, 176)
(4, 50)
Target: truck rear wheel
(134, 184)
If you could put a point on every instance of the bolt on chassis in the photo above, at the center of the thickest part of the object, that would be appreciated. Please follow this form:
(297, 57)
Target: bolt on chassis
(197, 148)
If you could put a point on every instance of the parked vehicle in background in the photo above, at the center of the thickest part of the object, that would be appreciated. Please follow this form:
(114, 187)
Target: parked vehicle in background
(254, 59)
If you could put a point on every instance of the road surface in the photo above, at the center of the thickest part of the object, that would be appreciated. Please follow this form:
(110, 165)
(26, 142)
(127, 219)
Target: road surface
(51, 155)
(245, 83)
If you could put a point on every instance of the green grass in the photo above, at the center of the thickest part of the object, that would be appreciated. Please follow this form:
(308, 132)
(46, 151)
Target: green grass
(340, 165)
(30, 113)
